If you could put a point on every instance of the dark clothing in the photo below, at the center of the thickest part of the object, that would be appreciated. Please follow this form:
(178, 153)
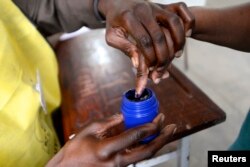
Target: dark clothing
(53, 16)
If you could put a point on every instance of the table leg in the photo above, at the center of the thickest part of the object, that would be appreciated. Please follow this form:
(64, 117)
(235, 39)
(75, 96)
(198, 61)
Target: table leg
(183, 152)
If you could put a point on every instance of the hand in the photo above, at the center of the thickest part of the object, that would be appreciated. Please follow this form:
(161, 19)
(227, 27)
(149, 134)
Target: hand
(187, 18)
(94, 146)
(134, 26)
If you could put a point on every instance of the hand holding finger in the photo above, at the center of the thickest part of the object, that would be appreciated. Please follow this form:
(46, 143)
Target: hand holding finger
(182, 11)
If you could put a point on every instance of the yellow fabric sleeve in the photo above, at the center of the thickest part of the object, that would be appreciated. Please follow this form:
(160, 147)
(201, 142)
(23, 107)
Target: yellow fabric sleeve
(27, 137)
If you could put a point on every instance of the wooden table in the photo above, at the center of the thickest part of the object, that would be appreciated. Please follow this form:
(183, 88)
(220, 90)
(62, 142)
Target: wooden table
(93, 77)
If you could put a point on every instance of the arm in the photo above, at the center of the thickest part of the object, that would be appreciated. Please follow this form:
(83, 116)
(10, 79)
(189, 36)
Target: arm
(228, 27)
(94, 146)
(151, 52)
(53, 16)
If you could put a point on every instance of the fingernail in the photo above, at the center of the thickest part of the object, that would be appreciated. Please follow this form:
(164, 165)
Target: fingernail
(133, 59)
(159, 69)
(151, 68)
(189, 33)
(128, 150)
(117, 116)
(72, 136)
(165, 75)
(157, 80)
(172, 127)
(136, 62)
(175, 130)
(178, 53)
(162, 118)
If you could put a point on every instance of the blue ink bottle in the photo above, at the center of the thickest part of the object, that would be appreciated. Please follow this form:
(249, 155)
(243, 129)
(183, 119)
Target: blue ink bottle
(139, 111)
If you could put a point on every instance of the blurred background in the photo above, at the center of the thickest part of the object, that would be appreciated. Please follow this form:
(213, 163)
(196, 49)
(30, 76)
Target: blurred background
(224, 75)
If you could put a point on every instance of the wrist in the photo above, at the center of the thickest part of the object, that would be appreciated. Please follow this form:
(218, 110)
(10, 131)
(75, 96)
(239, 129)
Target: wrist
(200, 25)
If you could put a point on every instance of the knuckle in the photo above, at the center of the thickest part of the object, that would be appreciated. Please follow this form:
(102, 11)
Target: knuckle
(96, 126)
(139, 134)
(125, 16)
(102, 154)
(140, 7)
(145, 41)
(174, 20)
(146, 130)
(181, 4)
(141, 74)
(159, 38)
(152, 128)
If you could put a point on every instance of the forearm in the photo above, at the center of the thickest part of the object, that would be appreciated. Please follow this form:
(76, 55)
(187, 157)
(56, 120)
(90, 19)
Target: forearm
(53, 16)
(228, 27)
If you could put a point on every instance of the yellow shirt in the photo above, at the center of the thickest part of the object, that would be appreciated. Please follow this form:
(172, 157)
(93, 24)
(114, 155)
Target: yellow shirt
(27, 63)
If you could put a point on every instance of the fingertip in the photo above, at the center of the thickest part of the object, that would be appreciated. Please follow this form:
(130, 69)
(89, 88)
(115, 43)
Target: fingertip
(162, 117)
(159, 120)
(134, 62)
(155, 77)
(141, 83)
(159, 117)
(178, 53)
(138, 92)
(157, 80)
(151, 68)
(165, 75)
(118, 116)
(171, 126)
(170, 129)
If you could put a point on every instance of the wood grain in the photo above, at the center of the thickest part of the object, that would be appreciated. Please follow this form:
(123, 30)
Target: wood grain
(94, 76)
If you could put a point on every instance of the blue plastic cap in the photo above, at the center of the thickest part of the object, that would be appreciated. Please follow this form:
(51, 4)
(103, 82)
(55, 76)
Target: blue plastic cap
(139, 111)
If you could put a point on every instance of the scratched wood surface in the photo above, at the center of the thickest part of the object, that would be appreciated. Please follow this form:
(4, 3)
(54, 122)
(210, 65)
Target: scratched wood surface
(93, 77)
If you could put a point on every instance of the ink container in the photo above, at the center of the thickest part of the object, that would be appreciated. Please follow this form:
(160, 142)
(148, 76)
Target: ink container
(139, 111)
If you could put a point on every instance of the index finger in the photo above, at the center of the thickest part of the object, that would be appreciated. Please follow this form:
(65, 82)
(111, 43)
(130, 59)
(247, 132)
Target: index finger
(141, 76)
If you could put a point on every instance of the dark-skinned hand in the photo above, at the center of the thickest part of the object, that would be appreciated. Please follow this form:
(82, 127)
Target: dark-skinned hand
(94, 147)
(150, 34)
